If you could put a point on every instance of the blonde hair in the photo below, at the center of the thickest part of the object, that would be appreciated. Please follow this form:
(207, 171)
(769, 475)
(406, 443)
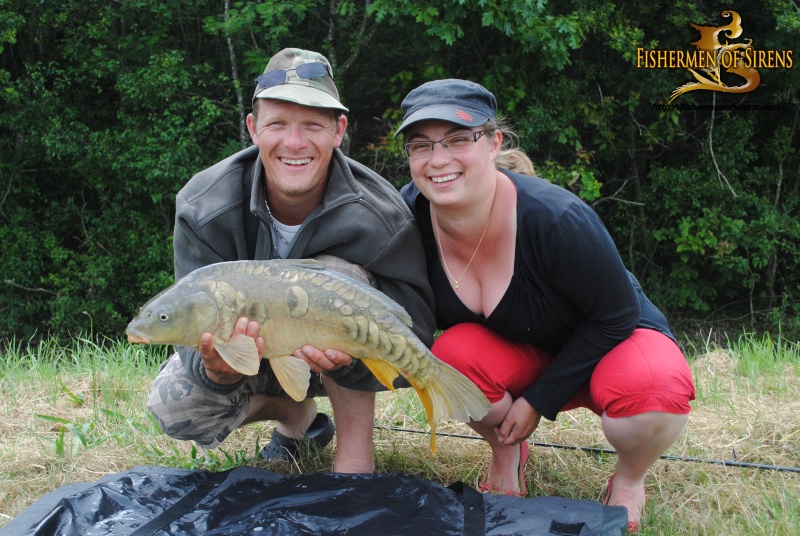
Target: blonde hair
(515, 160)
(511, 157)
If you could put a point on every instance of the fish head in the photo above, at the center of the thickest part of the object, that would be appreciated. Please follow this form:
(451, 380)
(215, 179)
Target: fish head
(179, 315)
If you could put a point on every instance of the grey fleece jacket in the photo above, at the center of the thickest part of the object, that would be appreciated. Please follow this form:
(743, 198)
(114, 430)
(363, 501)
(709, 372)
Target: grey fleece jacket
(221, 216)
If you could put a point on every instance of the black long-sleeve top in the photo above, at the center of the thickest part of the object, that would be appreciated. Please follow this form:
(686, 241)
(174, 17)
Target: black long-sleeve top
(569, 294)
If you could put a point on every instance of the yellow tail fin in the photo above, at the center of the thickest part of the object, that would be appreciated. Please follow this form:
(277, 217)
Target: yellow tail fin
(428, 404)
(450, 395)
(454, 396)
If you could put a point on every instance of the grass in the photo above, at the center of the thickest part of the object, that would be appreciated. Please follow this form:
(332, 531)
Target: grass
(75, 413)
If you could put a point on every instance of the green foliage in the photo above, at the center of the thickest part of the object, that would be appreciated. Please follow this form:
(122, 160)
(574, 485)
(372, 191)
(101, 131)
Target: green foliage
(578, 177)
(109, 108)
(109, 143)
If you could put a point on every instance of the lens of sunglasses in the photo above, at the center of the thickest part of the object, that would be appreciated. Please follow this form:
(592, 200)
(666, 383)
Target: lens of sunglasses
(304, 72)
(311, 70)
(270, 79)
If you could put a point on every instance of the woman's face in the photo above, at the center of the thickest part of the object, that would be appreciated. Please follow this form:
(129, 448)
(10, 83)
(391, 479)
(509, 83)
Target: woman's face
(453, 175)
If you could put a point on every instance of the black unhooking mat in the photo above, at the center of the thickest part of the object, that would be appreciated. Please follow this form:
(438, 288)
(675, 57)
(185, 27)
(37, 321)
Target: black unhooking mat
(247, 500)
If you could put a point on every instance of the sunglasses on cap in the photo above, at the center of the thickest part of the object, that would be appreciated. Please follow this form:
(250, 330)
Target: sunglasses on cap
(306, 71)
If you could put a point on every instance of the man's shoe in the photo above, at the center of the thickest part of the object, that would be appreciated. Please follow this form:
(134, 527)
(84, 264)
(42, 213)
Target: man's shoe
(285, 448)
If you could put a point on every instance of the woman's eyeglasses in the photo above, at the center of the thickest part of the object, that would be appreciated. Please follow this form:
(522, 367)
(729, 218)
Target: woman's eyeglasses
(457, 143)
(280, 76)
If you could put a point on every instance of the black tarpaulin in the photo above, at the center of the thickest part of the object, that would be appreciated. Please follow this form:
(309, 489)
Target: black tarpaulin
(247, 500)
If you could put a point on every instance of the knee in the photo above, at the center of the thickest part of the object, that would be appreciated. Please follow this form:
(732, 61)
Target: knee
(186, 412)
(166, 402)
(627, 400)
(646, 373)
(654, 428)
(184, 419)
(495, 364)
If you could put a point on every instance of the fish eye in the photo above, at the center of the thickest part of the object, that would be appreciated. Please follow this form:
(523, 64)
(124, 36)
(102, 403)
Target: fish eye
(163, 316)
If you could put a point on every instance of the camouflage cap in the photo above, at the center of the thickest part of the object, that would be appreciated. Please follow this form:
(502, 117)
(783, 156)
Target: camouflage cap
(457, 101)
(318, 92)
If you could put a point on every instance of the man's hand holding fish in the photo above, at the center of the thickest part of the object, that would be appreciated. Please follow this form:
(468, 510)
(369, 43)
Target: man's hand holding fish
(216, 367)
(328, 361)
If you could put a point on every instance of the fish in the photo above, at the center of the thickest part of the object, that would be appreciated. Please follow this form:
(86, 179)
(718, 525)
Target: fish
(298, 302)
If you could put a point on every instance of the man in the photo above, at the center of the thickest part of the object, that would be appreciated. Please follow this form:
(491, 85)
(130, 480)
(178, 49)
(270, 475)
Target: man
(292, 195)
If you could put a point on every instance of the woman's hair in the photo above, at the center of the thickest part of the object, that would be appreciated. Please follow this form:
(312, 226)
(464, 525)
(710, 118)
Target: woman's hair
(511, 157)
(515, 160)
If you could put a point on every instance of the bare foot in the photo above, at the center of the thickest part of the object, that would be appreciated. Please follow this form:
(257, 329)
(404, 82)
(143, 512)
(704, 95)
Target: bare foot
(505, 470)
(629, 494)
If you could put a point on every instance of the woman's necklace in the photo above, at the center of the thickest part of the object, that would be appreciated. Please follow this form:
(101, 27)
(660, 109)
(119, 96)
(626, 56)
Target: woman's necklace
(275, 227)
(438, 232)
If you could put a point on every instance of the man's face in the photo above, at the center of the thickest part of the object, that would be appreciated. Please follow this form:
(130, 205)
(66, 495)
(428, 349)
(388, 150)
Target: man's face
(296, 144)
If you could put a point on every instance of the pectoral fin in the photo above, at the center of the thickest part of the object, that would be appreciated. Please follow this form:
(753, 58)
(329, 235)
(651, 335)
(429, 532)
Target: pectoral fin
(382, 370)
(293, 374)
(240, 353)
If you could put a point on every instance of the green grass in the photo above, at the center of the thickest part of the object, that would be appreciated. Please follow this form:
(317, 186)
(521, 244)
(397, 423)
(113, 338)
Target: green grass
(71, 413)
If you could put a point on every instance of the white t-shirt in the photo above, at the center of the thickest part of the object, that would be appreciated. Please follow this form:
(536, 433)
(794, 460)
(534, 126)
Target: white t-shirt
(288, 233)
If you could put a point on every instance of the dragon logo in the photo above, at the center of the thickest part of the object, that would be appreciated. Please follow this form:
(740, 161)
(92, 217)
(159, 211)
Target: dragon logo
(733, 58)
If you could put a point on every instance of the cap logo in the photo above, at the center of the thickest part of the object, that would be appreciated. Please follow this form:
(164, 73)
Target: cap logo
(464, 115)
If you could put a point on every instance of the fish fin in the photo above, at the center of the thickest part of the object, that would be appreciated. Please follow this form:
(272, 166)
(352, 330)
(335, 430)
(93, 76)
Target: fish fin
(382, 370)
(457, 397)
(293, 374)
(402, 316)
(308, 264)
(240, 353)
(452, 395)
(428, 403)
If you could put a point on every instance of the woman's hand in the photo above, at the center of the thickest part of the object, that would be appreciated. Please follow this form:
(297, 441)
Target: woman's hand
(519, 423)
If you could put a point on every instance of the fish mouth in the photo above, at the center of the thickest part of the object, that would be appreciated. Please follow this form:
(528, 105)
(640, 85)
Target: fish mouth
(136, 338)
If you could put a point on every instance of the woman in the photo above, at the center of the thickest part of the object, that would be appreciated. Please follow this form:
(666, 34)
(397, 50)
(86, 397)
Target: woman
(537, 306)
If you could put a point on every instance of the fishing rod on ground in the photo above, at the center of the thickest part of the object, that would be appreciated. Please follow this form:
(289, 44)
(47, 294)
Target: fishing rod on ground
(726, 463)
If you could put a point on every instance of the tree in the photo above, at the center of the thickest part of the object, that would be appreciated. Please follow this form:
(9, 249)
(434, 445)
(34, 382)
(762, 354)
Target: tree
(108, 109)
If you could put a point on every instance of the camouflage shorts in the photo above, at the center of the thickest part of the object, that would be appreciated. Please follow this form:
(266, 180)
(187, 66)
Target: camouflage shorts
(188, 411)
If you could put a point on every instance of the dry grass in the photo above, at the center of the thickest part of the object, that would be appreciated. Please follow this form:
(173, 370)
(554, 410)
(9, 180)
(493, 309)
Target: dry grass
(67, 423)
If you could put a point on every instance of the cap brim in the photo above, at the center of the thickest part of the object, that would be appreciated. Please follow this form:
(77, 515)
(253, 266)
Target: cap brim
(448, 113)
(301, 94)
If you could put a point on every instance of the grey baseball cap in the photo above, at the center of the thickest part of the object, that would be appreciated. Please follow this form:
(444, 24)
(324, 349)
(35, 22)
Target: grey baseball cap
(458, 101)
(299, 76)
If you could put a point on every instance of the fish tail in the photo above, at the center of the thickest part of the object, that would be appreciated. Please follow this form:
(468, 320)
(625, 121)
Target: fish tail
(453, 395)
(428, 402)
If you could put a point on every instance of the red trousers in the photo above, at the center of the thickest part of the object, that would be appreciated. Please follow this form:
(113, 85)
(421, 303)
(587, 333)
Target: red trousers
(646, 372)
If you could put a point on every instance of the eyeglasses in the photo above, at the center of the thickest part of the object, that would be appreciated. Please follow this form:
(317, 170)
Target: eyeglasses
(457, 143)
(306, 71)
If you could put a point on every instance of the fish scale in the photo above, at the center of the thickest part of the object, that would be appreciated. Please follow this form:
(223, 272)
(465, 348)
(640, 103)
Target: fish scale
(298, 302)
